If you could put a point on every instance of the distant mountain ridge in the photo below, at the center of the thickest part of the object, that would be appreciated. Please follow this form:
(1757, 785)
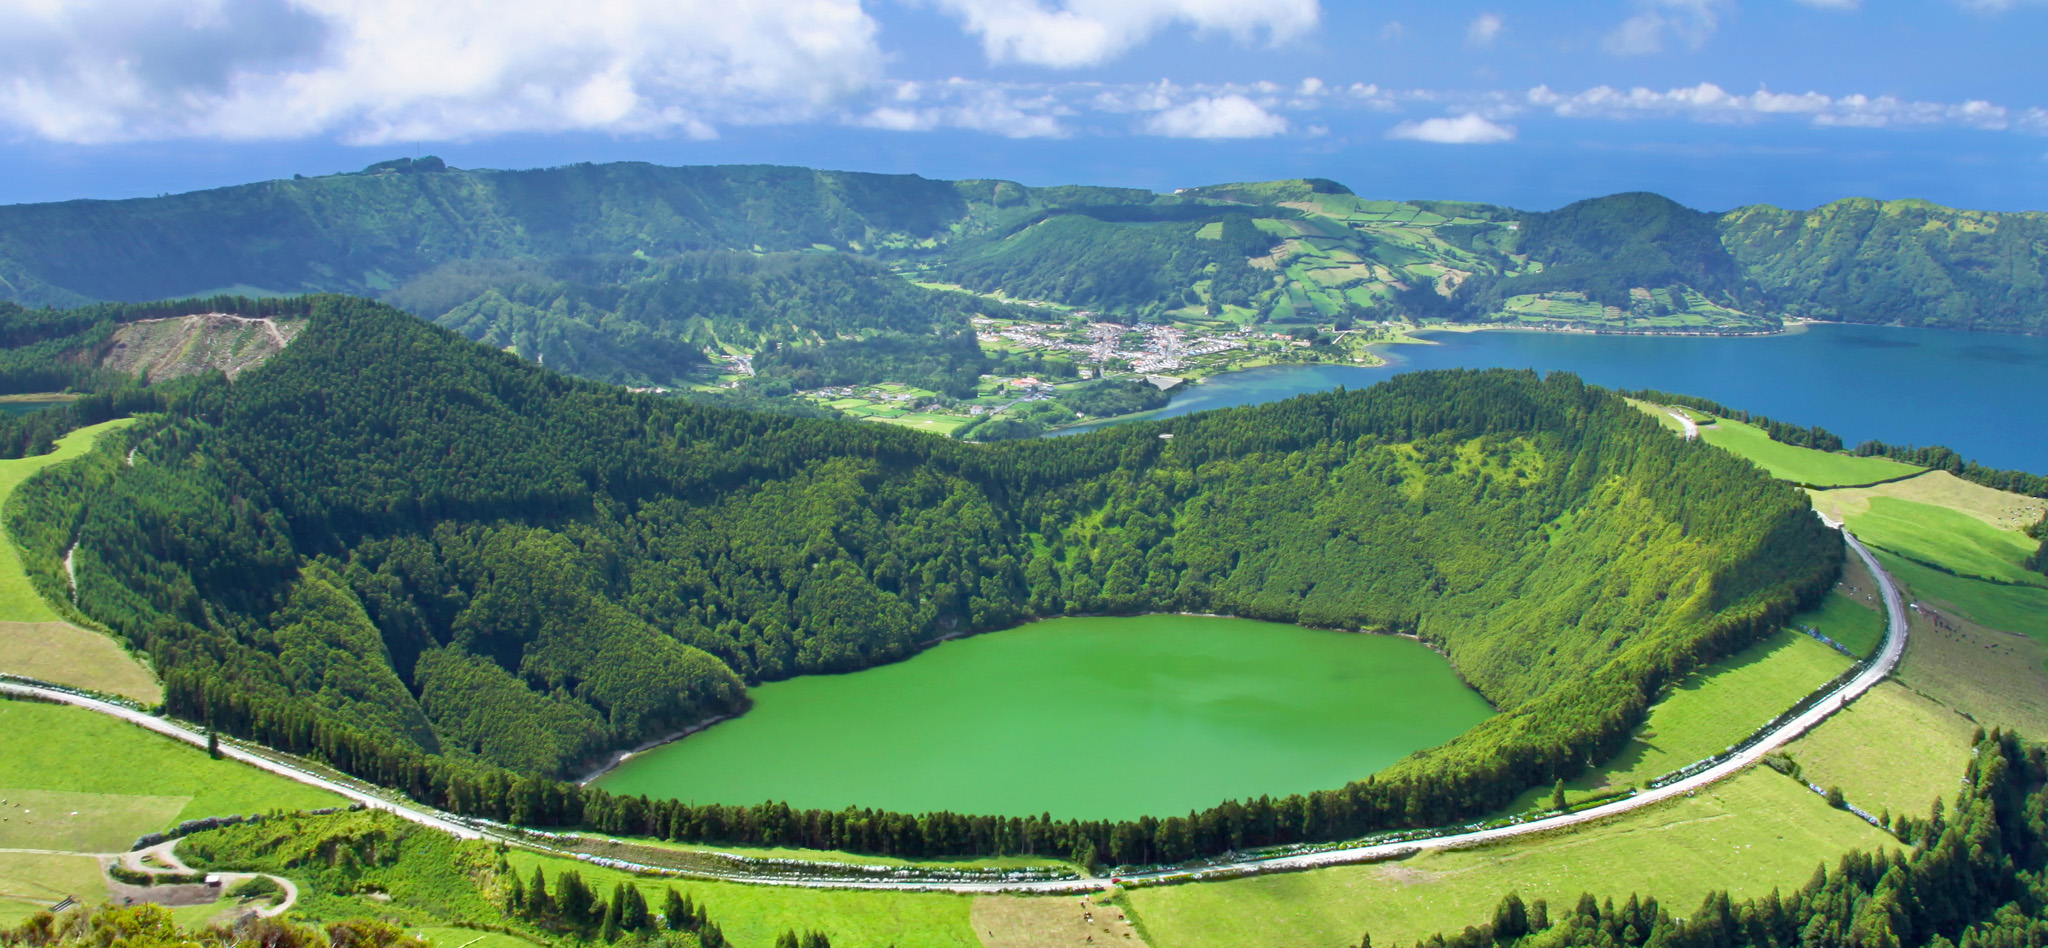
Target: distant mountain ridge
(1628, 262)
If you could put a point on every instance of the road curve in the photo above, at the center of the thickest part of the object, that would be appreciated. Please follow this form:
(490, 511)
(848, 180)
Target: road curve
(1692, 428)
(1887, 659)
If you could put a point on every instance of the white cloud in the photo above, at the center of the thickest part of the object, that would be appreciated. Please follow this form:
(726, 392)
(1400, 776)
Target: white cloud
(1468, 129)
(396, 70)
(977, 106)
(1485, 29)
(1692, 22)
(1073, 33)
(1709, 102)
(1226, 116)
(1833, 4)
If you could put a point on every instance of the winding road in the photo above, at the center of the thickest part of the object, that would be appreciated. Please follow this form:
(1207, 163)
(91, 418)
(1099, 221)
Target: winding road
(1881, 667)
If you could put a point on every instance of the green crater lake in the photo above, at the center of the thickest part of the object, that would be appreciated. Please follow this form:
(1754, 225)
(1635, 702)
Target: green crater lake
(1098, 718)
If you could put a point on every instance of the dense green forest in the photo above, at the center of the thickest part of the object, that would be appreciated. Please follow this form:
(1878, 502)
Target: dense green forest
(1974, 877)
(448, 570)
(1907, 262)
(1140, 265)
(644, 321)
(1607, 246)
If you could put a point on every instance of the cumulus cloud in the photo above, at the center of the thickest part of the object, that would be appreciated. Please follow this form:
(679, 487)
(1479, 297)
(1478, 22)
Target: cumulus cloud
(1225, 116)
(394, 70)
(1691, 22)
(1073, 33)
(1468, 129)
(1485, 29)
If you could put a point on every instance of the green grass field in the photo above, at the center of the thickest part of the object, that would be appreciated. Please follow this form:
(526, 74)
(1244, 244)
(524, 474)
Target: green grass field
(1892, 750)
(31, 882)
(78, 755)
(1801, 465)
(753, 915)
(1949, 538)
(1713, 708)
(1749, 834)
(34, 640)
(2020, 609)
(1847, 621)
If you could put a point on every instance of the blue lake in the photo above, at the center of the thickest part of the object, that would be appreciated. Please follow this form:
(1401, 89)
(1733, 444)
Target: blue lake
(1983, 394)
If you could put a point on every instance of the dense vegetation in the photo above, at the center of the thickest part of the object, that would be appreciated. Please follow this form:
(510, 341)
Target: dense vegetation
(1607, 246)
(152, 926)
(371, 232)
(1907, 262)
(1106, 398)
(1143, 266)
(452, 572)
(1976, 876)
(642, 321)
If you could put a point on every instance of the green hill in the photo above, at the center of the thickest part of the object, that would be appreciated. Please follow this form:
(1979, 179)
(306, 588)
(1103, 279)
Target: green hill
(408, 552)
(1907, 262)
(642, 274)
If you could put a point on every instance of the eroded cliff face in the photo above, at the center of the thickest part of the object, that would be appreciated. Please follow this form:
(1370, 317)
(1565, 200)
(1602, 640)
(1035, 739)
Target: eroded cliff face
(162, 349)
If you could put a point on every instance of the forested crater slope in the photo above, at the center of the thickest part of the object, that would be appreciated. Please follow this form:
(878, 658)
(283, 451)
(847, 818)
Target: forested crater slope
(411, 553)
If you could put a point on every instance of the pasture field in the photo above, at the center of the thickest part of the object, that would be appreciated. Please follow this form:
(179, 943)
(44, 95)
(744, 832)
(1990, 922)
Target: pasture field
(1657, 411)
(2017, 609)
(634, 849)
(1748, 834)
(35, 641)
(1995, 677)
(70, 753)
(1797, 464)
(31, 882)
(82, 822)
(68, 655)
(1846, 620)
(1924, 749)
(753, 915)
(2003, 510)
(1952, 539)
(1714, 707)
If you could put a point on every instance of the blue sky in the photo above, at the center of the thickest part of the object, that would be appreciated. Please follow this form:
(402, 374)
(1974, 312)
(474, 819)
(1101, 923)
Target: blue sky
(1717, 103)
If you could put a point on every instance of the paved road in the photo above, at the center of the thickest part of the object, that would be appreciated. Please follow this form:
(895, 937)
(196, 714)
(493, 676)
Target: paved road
(1878, 670)
(1692, 428)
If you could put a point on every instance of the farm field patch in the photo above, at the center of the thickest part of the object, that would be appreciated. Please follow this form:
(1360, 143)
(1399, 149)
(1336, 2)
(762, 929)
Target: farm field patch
(1714, 707)
(39, 750)
(31, 882)
(1949, 539)
(1924, 749)
(1748, 834)
(1797, 464)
